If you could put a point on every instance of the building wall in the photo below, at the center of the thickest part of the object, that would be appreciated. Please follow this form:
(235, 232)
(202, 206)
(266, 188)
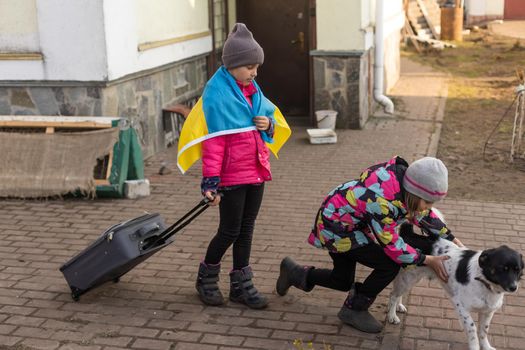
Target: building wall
(18, 26)
(166, 19)
(478, 11)
(86, 40)
(140, 98)
(343, 61)
(338, 25)
(485, 7)
(126, 58)
(70, 41)
(342, 84)
(133, 46)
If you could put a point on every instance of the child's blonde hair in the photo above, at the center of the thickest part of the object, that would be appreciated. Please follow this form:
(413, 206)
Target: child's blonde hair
(412, 204)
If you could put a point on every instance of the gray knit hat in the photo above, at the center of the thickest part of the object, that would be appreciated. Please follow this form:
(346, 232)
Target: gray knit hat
(427, 178)
(241, 49)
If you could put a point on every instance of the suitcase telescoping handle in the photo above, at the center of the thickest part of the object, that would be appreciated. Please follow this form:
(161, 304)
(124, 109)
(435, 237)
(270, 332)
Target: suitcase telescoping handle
(180, 224)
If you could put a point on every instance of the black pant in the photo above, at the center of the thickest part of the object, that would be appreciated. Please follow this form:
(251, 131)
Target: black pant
(238, 210)
(342, 276)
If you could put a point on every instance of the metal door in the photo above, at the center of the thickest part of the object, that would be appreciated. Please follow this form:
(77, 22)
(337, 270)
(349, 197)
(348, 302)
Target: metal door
(282, 29)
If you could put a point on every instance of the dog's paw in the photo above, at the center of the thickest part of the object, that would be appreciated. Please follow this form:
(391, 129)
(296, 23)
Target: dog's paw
(393, 319)
(486, 346)
(401, 308)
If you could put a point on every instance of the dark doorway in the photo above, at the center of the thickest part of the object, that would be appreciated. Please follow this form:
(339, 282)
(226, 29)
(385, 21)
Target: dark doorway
(283, 30)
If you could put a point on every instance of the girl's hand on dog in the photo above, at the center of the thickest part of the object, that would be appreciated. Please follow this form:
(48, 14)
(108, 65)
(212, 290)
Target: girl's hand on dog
(458, 243)
(436, 264)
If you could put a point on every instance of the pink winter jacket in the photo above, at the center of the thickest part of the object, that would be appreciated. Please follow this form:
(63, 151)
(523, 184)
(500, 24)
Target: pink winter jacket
(238, 159)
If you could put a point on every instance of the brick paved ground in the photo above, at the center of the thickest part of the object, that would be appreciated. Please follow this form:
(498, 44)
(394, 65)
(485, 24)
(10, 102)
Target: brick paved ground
(155, 306)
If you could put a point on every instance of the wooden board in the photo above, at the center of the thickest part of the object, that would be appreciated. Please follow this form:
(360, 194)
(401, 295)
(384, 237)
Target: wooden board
(15, 121)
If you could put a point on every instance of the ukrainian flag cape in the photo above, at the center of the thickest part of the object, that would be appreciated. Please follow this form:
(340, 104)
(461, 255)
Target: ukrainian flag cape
(223, 110)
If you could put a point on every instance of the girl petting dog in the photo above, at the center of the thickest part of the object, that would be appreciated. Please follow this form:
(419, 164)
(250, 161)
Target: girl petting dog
(357, 224)
(233, 127)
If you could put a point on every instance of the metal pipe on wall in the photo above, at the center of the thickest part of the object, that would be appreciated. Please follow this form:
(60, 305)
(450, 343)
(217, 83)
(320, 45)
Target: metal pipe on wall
(379, 59)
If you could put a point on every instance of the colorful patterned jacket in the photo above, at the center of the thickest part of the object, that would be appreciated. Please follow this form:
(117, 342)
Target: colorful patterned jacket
(368, 210)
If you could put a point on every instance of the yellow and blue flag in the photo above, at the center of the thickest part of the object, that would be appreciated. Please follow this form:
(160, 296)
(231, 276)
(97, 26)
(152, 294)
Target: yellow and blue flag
(223, 110)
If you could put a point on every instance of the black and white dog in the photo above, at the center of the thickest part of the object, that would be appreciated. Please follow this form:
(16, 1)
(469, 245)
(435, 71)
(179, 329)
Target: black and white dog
(477, 281)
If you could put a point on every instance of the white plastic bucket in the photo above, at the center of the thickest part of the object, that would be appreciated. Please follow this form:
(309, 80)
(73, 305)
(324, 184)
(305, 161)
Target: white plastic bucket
(326, 119)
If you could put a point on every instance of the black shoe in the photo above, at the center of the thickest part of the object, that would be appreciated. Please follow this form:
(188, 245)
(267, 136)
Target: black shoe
(207, 286)
(354, 312)
(361, 320)
(292, 274)
(243, 291)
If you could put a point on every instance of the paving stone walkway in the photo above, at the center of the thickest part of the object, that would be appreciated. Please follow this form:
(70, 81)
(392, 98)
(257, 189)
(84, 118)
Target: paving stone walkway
(155, 305)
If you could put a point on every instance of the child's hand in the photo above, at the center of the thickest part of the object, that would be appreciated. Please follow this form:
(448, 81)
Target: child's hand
(458, 243)
(262, 123)
(436, 264)
(214, 198)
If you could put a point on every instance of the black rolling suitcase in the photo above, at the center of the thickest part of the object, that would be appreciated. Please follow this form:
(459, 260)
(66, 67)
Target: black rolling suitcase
(120, 248)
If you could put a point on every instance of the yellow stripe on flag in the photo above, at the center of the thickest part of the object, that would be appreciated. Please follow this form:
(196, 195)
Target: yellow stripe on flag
(281, 133)
(193, 131)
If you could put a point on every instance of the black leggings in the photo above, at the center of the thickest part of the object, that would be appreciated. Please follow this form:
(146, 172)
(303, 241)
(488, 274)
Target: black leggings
(238, 210)
(342, 276)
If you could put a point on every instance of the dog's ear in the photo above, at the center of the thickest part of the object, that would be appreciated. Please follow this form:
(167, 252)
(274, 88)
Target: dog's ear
(484, 258)
(522, 264)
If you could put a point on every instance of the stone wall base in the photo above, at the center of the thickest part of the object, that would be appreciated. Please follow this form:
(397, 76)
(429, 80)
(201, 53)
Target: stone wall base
(139, 97)
(343, 81)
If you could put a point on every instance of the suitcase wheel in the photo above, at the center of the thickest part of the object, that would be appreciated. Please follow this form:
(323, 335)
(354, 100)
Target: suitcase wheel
(75, 296)
(116, 280)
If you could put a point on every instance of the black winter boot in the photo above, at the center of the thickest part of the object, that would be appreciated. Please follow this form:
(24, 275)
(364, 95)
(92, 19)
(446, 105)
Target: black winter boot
(243, 291)
(354, 312)
(207, 286)
(292, 274)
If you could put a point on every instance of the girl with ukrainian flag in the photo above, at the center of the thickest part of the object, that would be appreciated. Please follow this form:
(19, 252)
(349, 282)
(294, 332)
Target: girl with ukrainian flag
(232, 128)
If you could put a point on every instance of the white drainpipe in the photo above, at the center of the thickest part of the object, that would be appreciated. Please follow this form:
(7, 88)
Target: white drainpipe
(379, 60)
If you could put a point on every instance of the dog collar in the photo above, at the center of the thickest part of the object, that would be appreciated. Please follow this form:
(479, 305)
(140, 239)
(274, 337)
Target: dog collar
(485, 283)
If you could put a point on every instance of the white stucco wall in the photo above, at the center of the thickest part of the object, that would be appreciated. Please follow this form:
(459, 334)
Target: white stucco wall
(485, 7)
(70, 38)
(164, 19)
(18, 26)
(348, 24)
(338, 25)
(125, 28)
(98, 40)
